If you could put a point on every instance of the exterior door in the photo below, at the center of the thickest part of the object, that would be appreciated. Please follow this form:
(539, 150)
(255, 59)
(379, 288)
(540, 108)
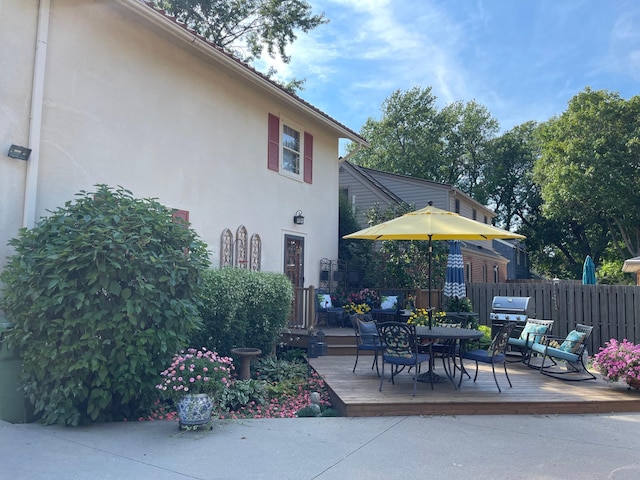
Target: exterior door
(294, 269)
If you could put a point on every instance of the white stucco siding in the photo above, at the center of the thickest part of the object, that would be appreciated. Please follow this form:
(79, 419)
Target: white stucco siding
(125, 106)
(17, 34)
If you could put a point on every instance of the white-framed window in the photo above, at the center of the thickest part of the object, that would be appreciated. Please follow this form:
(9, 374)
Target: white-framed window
(290, 149)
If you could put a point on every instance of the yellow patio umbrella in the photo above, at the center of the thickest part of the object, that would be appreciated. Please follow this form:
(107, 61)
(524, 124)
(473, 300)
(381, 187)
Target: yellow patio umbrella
(431, 223)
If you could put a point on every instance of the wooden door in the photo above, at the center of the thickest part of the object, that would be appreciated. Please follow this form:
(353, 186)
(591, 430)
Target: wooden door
(294, 269)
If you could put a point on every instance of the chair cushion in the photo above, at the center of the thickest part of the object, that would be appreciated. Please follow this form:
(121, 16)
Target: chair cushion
(368, 333)
(483, 356)
(324, 300)
(573, 341)
(389, 302)
(561, 354)
(411, 360)
(535, 329)
(368, 328)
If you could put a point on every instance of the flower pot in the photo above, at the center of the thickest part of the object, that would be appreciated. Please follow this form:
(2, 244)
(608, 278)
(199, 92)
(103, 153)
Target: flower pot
(194, 410)
(633, 383)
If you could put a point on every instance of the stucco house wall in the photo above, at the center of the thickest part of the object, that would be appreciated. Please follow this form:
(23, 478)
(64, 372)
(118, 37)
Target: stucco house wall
(132, 99)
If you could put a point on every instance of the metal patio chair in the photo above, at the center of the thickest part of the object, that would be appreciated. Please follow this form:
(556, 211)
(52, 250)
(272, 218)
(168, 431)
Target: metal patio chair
(400, 349)
(495, 354)
(367, 338)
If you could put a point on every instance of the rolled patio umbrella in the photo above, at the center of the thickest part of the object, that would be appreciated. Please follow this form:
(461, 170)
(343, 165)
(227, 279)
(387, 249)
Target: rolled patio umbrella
(454, 279)
(431, 223)
(588, 272)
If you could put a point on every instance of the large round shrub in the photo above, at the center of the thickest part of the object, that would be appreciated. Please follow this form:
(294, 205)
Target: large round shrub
(102, 294)
(243, 308)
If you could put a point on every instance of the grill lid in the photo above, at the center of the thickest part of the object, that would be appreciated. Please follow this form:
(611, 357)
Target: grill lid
(510, 304)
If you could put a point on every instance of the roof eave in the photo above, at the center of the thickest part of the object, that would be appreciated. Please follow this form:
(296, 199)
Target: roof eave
(191, 40)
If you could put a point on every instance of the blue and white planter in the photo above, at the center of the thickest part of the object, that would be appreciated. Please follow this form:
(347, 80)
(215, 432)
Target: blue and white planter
(195, 410)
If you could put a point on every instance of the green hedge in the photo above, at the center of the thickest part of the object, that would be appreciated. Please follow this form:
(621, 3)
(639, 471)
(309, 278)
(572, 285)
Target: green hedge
(102, 294)
(243, 308)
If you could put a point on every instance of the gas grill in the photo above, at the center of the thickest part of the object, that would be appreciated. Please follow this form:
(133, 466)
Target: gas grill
(509, 309)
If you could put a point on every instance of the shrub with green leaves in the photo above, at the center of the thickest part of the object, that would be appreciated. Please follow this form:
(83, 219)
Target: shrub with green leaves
(243, 308)
(102, 293)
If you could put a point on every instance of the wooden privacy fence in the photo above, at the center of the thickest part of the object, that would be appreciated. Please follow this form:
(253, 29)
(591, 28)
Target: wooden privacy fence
(613, 311)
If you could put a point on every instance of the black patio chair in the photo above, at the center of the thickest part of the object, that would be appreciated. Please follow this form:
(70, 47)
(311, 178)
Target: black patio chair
(495, 354)
(367, 338)
(400, 349)
(325, 306)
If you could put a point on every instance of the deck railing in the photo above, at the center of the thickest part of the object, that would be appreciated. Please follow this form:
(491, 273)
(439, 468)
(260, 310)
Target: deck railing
(303, 311)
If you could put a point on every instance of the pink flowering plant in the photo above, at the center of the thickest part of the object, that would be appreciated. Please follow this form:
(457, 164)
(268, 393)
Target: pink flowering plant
(196, 371)
(618, 360)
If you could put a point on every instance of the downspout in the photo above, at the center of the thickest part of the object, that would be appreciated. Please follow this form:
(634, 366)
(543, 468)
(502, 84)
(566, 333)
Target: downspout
(35, 120)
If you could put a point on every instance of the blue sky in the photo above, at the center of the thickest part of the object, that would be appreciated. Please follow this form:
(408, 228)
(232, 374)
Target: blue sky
(522, 59)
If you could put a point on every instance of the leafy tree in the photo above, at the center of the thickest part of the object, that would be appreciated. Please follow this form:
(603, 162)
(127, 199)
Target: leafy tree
(589, 174)
(407, 140)
(356, 254)
(416, 139)
(508, 176)
(101, 293)
(246, 27)
(470, 128)
(404, 264)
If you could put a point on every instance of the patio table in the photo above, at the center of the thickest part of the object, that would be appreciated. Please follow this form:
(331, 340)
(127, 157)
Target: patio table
(453, 341)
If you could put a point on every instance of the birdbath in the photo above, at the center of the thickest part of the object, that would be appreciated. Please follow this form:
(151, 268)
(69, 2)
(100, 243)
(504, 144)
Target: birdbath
(245, 355)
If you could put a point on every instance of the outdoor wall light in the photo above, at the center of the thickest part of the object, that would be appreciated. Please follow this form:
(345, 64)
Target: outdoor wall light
(21, 153)
(298, 219)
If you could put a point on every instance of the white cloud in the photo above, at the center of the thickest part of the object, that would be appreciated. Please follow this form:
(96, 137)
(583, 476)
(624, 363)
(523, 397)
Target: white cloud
(523, 61)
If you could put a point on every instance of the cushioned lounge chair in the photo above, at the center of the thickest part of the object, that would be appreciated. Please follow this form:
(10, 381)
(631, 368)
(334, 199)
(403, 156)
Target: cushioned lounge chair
(570, 349)
(533, 332)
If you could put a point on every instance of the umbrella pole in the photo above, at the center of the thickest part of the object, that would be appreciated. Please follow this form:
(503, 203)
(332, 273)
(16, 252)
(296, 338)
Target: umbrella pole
(430, 313)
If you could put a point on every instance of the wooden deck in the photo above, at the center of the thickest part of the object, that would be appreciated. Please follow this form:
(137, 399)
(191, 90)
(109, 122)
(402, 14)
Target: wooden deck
(356, 394)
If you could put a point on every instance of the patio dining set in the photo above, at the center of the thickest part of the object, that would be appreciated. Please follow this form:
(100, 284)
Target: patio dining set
(402, 346)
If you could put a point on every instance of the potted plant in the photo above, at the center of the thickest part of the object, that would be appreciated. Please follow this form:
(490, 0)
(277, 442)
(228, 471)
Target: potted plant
(366, 295)
(420, 317)
(409, 304)
(458, 304)
(194, 380)
(619, 361)
(360, 308)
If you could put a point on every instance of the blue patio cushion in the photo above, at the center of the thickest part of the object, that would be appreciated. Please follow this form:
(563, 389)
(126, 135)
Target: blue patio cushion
(389, 302)
(368, 332)
(554, 352)
(406, 360)
(534, 331)
(483, 356)
(324, 300)
(518, 342)
(573, 341)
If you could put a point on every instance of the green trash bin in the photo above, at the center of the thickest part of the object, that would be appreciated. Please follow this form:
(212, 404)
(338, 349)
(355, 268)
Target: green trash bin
(12, 403)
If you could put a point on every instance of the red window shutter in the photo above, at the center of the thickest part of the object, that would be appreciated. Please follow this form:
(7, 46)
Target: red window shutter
(308, 157)
(273, 160)
(181, 216)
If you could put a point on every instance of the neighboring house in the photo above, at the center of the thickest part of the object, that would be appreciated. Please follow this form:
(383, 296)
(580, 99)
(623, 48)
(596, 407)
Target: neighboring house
(365, 187)
(117, 92)
(515, 251)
